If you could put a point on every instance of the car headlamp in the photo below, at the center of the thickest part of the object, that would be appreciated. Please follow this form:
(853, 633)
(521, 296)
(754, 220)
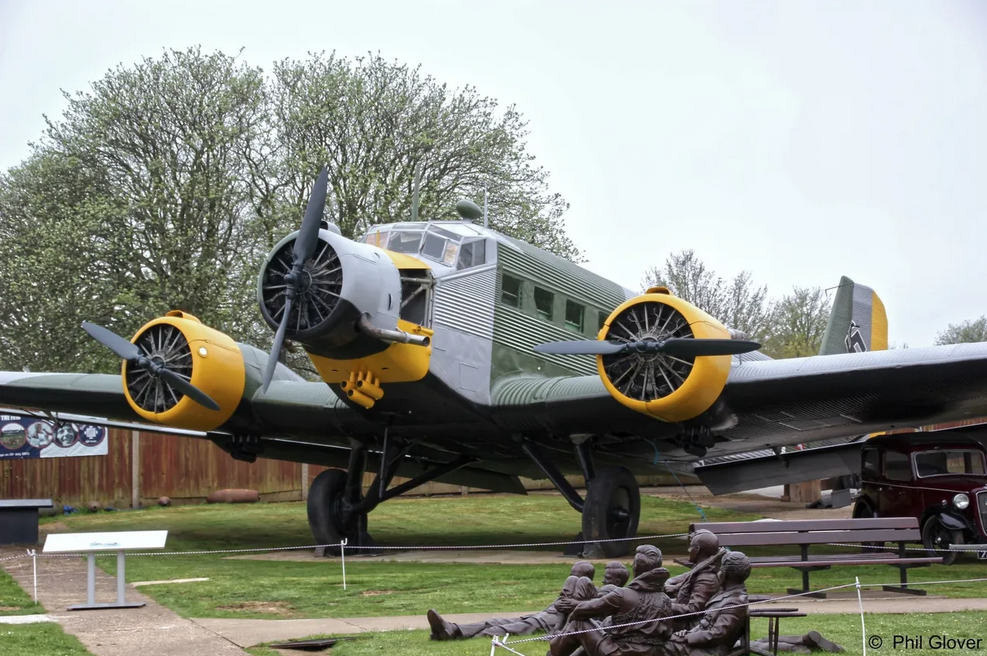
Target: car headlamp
(961, 501)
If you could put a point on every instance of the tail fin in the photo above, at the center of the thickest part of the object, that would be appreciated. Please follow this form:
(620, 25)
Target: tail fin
(857, 322)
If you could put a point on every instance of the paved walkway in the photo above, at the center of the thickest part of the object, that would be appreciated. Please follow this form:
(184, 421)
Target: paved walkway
(149, 631)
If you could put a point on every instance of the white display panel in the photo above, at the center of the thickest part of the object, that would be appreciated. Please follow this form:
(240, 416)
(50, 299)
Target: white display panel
(115, 541)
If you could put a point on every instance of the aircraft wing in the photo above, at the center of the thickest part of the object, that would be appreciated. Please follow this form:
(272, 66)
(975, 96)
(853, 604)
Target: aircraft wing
(293, 420)
(776, 402)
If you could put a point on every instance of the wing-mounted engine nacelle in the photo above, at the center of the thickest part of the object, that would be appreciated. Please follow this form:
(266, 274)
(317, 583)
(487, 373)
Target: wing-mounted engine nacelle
(210, 360)
(669, 384)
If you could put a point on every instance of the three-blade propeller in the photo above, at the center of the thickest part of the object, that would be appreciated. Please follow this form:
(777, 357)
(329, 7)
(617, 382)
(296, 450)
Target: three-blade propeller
(133, 355)
(305, 244)
(683, 347)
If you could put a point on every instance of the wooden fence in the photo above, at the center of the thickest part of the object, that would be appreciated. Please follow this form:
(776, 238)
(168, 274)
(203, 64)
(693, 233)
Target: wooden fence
(140, 467)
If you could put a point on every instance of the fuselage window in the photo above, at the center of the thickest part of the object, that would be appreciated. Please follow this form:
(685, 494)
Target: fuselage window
(603, 316)
(574, 316)
(510, 291)
(544, 300)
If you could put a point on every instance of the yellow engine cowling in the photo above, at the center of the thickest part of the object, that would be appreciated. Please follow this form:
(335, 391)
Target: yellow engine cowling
(667, 388)
(211, 359)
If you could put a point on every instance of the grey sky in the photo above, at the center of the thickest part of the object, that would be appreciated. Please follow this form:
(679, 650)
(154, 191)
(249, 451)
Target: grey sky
(800, 140)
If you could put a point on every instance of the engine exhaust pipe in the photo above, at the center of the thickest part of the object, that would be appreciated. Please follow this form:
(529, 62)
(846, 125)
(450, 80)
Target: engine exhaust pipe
(394, 336)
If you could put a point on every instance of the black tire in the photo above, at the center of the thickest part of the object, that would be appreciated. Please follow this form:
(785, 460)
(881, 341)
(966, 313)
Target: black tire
(936, 535)
(864, 509)
(612, 510)
(325, 518)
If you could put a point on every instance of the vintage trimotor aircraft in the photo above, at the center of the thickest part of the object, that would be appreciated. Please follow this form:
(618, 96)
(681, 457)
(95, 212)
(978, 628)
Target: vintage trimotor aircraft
(451, 352)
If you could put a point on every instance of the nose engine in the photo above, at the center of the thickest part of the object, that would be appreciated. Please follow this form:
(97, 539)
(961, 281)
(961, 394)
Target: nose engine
(317, 307)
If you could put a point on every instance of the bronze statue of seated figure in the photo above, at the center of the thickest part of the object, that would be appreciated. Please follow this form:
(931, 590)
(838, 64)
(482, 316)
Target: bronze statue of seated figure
(578, 587)
(717, 631)
(637, 604)
(691, 591)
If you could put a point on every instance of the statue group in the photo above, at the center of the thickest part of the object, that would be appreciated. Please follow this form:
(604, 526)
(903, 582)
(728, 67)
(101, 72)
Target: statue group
(703, 611)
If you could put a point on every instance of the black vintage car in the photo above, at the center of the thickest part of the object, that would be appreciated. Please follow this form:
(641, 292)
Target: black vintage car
(940, 478)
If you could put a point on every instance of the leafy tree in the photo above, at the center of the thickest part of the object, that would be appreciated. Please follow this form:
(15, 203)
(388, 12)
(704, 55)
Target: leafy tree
(737, 303)
(965, 332)
(798, 324)
(145, 185)
(374, 121)
(166, 184)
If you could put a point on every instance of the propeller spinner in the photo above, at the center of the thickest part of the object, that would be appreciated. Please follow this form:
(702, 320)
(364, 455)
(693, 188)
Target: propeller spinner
(305, 243)
(155, 368)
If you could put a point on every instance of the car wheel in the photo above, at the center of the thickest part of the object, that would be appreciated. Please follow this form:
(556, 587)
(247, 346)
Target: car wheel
(863, 509)
(936, 535)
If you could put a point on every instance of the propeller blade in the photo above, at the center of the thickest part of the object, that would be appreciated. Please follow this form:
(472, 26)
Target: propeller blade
(581, 347)
(188, 389)
(272, 361)
(688, 347)
(112, 341)
(308, 235)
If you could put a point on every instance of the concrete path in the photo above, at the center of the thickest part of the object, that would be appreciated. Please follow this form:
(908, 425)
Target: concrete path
(24, 619)
(151, 631)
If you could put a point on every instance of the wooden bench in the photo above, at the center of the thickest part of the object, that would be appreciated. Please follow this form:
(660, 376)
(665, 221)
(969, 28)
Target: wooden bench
(19, 520)
(804, 533)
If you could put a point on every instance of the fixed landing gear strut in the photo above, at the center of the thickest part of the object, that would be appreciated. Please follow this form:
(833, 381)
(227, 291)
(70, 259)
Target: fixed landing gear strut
(337, 506)
(612, 507)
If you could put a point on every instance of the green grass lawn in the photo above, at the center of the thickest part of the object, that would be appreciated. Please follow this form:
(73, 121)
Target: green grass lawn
(13, 600)
(844, 630)
(46, 639)
(283, 589)
(474, 520)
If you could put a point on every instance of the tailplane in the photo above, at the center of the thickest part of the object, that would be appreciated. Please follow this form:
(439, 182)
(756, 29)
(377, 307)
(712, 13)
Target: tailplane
(857, 322)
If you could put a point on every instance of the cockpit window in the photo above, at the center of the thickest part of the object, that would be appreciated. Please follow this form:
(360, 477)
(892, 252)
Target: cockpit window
(405, 241)
(377, 237)
(946, 462)
(441, 245)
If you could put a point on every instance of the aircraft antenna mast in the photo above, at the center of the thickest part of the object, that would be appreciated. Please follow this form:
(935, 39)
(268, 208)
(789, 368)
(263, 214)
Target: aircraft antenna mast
(484, 207)
(414, 195)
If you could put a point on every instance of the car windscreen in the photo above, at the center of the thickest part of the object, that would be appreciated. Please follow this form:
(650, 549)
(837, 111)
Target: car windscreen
(947, 462)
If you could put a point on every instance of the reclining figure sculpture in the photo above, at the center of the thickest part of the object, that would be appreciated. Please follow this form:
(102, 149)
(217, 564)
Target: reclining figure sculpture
(551, 619)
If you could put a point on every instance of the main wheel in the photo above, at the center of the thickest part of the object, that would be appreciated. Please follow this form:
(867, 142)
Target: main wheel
(612, 509)
(327, 516)
(936, 535)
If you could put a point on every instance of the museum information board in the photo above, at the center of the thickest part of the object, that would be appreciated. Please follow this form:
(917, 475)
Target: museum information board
(33, 437)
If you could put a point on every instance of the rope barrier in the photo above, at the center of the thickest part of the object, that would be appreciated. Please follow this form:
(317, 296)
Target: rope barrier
(371, 547)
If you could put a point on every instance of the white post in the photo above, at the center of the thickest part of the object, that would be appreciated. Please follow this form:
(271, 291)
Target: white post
(863, 630)
(121, 584)
(342, 557)
(91, 583)
(34, 562)
(304, 481)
